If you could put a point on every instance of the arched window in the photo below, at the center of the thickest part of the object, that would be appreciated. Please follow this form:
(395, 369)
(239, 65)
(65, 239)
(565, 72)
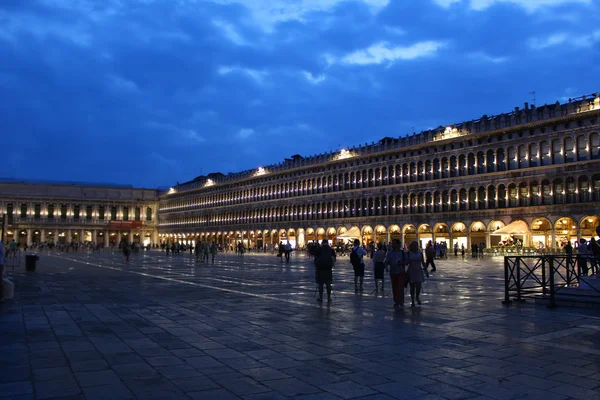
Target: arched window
(445, 168)
(445, 201)
(582, 148)
(596, 187)
(512, 158)
(534, 193)
(471, 164)
(490, 161)
(523, 194)
(557, 155)
(472, 199)
(437, 202)
(501, 196)
(453, 167)
(37, 211)
(462, 165)
(512, 195)
(148, 214)
(545, 155)
(88, 212)
(454, 200)
(437, 169)
(559, 191)
(533, 155)
(23, 211)
(500, 160)
(428, 202)
(571, 189)
(594, 146)
(481, 168)
(585, 194)
(137, 214)
(113, 213)
(523, 157)
(481, 198)
(50, 211)
(125, 213)
(491, 197)
(428, 170)
(569, 149)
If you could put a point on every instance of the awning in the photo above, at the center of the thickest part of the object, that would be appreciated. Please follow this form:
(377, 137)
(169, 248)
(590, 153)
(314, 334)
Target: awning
(514, 228)
(352, 233)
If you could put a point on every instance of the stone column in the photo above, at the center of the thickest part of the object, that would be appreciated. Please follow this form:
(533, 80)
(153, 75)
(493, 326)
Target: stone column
(95, 236)
(82, 233)
(118, 238)
(55, 236)
(553, 237)
(42, 235)
(488, 243)
(29, 237)
(106, 239)
(68, 237)
(130, 237)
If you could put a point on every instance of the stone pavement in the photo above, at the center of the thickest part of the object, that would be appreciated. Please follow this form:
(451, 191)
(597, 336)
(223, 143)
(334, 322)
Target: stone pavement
(89, 326)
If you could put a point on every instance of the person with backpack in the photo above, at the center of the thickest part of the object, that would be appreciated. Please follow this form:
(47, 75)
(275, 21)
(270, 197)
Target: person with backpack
(356, 259)
(324, 262)
(395, 260)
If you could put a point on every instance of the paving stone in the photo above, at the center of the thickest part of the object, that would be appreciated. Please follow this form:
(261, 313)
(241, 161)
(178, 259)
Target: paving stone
(219, 394)
(116, 391)
(97, 378)
(16, 388)
(291, 387)
(399, 391)
(55, 388)
(348, 390)
(264, 373)
(45, 374)
(91, 365)
(194, 384)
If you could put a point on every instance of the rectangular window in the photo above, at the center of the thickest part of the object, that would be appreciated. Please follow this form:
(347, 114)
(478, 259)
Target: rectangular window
(76, 211)
(63, 211)
(138, 212)
(125, 213)
(101, 213)
(113, 213)
(88, 212)
(23, 210)
(37, 211)
(50, 211)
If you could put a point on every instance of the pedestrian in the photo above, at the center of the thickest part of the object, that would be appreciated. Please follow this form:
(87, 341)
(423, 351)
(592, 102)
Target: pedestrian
(356, 259)
(455, 249)
(213, 251)
(582, 256)
(416, 266)
(395, 260)
(379, 266)
(324, 262)
(126, 251)
(205, 251)
(197, 250)
(429, 256)
(462, 251)
(288, 250)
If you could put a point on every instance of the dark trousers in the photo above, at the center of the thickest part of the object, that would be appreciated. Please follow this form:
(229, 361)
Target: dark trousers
(287, 256)
(398, 287)
(430, 261)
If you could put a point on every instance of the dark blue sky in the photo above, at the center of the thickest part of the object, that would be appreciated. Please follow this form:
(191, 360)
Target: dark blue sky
(154, 92)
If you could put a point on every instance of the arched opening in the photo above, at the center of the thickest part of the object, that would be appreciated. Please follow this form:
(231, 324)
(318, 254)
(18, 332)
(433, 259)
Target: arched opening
(565, 230)
(291, 236)
(367, 235)
(425, 235)
(409, 232)
(320, 234)
(459, 235)
(441, 233)
(541, 229)
(380, 234)
(301, 238)
(331, 235)
(310, 235)
(587, 227)
(395, 232)
(477, 233)
(492, 227)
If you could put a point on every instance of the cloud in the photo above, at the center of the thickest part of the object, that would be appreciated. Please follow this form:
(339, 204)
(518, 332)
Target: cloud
(257, 75)
(122, 85)
(380, 52)
(482, 56)
(529, 5)
(244, 133)
(314, 79)
(230, 32)
(182, 135)
(268, 13)
(557, 39)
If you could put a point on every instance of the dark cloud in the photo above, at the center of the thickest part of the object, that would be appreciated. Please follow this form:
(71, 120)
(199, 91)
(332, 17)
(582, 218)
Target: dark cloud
(155, 92)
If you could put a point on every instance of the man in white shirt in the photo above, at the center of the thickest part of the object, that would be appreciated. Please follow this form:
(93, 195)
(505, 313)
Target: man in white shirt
(356, 259)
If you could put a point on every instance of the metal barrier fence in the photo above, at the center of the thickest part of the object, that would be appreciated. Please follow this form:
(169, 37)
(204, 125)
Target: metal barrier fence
(528, 276)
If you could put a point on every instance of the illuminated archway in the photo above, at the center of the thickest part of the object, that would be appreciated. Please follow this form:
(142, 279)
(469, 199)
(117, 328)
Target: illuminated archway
(492, 227)
(541, 229)
(587, 227)
(331, 235)
(460, 235)
(310, 235)
(425, 235)
(565, 230)
(367, 235)
(380, 234)
(320, 234)
(395, 232)
(478, 233)
(301, 238)
(441, 233)
(409, 234)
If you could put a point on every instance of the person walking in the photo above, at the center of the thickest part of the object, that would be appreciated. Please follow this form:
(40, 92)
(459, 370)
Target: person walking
(197, 250)
(395, 260)
(213, 251)
(356, 259)
(287, 250)
(126, 251)
(205, 251)
(429, 256)
(324, 262)
(414, 271)
(455, 249)
(379, 266)
(583, 253)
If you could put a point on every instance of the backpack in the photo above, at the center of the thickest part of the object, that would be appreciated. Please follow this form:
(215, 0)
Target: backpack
(354, 258)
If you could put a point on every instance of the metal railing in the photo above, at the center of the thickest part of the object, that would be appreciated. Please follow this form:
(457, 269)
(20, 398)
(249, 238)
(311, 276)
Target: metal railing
(547, 275)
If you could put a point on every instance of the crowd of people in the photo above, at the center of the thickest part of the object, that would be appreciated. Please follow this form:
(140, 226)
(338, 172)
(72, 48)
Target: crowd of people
(407, 267)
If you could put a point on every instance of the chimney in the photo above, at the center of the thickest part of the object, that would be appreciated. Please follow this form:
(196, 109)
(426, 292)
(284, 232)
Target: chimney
(526, 106)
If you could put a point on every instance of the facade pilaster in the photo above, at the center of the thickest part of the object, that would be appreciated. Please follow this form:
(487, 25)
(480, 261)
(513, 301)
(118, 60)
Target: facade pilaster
(29, 236)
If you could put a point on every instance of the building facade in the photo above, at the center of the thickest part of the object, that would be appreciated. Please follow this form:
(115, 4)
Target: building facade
(457, 184)
(66, 213)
